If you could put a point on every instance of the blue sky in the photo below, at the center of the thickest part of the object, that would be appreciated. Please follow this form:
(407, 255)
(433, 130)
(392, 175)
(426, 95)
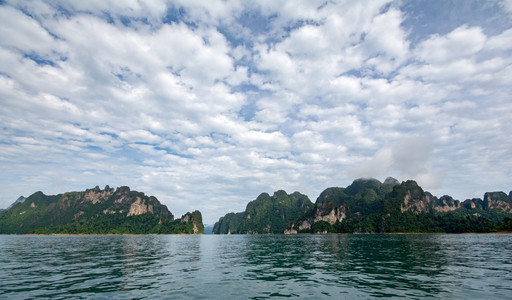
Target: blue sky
(206, 104)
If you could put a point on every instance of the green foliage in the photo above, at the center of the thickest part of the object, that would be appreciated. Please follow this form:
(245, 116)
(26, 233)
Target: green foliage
(228, 224)
(322, 227)
(266, 214)
(120, 224)
(336, 195)
(372, 207)
(494, 215)
(197, 219)
(94, 212)
(452, 224)
(417, 223)
(27, 216)
(506, 225)
(362, 197)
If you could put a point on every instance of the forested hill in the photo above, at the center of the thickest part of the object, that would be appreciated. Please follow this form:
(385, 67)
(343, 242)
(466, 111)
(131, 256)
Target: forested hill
(265, 214)
(95, 211)
(371, 206)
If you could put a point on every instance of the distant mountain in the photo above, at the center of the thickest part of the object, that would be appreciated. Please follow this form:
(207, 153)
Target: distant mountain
(208, 229)
(266, 214)
(98, 211)
(20, 199)
(370, 206)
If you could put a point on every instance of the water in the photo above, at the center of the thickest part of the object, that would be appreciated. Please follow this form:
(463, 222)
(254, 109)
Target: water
(256, 267)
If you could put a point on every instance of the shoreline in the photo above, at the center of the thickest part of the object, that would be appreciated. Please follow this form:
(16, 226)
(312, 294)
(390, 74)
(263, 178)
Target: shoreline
(135, 234)
(90, 234)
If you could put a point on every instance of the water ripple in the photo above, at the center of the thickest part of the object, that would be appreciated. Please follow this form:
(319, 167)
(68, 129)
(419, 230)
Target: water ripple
(256, 267)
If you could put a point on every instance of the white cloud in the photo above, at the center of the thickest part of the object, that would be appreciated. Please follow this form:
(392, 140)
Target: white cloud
(385, 44)
(142, 136)
(264, 140)
(461, 43)
(500, 42)
(22, 33)
(238, 98)
(507, 5)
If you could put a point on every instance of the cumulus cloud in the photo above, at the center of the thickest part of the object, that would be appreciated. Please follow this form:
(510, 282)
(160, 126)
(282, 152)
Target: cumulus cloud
(461, 43)
(240, 98)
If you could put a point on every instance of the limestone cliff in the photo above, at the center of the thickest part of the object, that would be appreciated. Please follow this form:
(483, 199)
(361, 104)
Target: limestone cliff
(412, 198)
(498, 200)
(445, 204)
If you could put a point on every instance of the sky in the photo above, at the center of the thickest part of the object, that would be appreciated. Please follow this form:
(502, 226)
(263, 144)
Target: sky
(207, 104)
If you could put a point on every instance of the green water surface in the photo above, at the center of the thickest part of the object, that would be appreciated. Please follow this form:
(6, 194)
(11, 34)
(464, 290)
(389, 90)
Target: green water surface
(475, 266)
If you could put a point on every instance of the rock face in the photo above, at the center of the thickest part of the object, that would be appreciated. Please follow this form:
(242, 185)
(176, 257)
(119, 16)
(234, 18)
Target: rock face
(498, 200)
(139, 207)
(324, 212)
(95, 211)
(266, 214)
(96, 195)
(412, 197)
(471, 204)
(445, 204)
(329, 214)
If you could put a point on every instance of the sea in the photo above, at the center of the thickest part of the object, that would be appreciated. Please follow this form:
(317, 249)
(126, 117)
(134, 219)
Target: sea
(416, 266)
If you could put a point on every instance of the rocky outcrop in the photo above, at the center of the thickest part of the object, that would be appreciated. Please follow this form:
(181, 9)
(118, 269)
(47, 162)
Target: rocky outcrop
(414, 200)
(446, 204)
(497, 200)
(139, 207)
(96, 195)
(474, 203)
(327, 213)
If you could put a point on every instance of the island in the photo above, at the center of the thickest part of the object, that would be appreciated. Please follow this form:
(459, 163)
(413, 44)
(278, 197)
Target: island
(96, 211)
(370, 206)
